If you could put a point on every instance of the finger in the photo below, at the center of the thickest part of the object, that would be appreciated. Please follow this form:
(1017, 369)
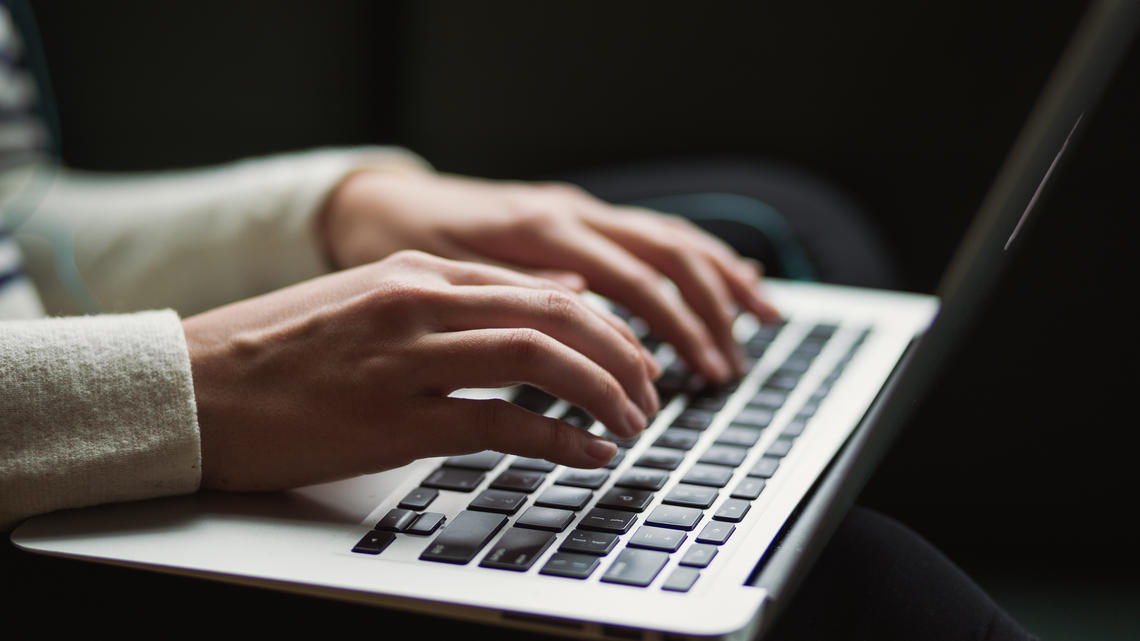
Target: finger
(475, 425)
(597, 334)
(701, 284)
(491, 358)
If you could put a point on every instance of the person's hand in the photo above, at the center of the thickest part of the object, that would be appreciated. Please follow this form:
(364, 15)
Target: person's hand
(622, 253)
(351, 373)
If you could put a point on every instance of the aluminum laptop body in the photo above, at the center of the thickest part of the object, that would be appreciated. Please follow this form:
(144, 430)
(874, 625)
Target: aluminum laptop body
(872, 354)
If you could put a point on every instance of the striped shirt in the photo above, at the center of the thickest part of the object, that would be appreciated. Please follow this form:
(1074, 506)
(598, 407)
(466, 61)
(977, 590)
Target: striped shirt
(24, 142)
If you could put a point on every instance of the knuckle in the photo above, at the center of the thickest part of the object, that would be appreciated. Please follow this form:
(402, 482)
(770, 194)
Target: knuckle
(525, 344)
(562, 307)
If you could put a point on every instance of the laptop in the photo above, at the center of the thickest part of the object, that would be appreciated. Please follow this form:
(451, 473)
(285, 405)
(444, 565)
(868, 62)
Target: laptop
(703, 526)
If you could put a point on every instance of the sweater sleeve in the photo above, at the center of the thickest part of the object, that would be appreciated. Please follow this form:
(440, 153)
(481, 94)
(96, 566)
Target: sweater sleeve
(187, 240)
(94, 409)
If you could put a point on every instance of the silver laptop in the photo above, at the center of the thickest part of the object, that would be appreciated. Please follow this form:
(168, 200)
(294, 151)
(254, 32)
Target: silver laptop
(702, 527)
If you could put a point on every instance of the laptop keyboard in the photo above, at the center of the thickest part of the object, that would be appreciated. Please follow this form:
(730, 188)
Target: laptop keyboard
(682, 494)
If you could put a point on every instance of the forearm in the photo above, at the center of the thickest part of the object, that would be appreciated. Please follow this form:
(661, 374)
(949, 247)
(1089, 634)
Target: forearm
(187, 240)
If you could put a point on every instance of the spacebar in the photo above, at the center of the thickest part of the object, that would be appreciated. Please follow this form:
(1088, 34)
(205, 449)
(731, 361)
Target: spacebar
(462, 539)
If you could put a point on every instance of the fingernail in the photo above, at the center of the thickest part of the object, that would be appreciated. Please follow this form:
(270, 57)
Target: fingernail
(654, 402)
(601, 450)
(717, 365)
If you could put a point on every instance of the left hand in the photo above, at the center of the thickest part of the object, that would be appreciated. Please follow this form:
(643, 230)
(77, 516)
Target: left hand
(622, 253)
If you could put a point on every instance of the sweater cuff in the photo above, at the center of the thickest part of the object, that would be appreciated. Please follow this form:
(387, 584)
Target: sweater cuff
(95, 409)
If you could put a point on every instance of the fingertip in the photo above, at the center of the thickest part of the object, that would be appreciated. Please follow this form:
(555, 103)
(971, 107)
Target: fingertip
(600, 450)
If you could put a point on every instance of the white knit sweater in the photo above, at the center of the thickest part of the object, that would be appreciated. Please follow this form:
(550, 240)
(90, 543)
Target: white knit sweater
(100, 407)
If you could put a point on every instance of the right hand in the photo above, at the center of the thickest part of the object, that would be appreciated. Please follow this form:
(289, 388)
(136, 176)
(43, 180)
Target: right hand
(351, 373)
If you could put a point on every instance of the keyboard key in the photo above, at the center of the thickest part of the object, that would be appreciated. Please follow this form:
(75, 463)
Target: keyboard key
(536, 464)
(657, 538)
(769, 399)
(698, 496)
(794, 428)
(500, 501)
(545, 518)
(710, 475)
(486, 460)
(675, 516)
(517, 549)
(699, 555)
(396, 520)
(754, 417)
(732, 510)
(748, 489)
(643, 478)
(518, 480)
(419, 498)
(533, 399)
(586, 542)
(374, 542)
(460, 541)
(578, 417)
(765, 467)
(636, 567)
(567, 564)
(779, 448)
(606, 520)
(592, 479)
(426, 523)
(681, 580)
(728, 455)
(626, 498)
(716, 532)
(565, 497)
(661, 458)
(739, 436)
(694, 419)
(454, 478)
(678, 438)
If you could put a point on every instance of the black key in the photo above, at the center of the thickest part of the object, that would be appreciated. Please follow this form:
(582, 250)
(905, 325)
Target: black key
(754, 417)
(636, 567)
(518, 480)
(567, 564)
(626, 498)
(462, 539)
(739, 436)
(396, 520)
(794, 428)
(681, 580)
(606, 520)
(732, 510)
(779, 448)
(592, 479)
(661, 458)
(675, 516)
(765, 467)
(536, 464)
(486, 460)
(710, 475)
(545, 518)
(716, 532)
(699, 555)
(678, 438)
(517, 549)
(565, 497)
(577, 417)
(782, 380)
(426, 523)
(500, 501)
(534, 399)
(454, 478)
(698, 496)
(748, 489)
(419, 498)
(694, 419)
(622, 441)
(374, 542)
(643, 478)
(616, 460)
(586, 542)
(768, 398)
(657, 538)
(728, 455)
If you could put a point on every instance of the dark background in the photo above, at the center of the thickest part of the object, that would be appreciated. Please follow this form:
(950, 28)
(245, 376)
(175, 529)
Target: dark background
(1022, 457)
